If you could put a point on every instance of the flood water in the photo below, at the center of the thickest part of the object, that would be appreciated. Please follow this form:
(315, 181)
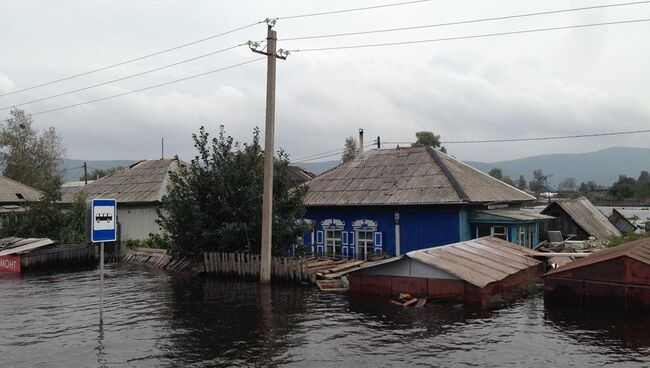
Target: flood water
(157, 319)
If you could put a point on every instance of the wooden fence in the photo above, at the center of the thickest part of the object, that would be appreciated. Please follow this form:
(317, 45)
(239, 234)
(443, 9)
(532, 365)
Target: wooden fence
(158, 258)
(246, 265)
(60, 256)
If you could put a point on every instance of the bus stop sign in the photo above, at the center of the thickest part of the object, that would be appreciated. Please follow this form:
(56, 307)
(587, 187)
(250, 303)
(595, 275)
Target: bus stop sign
(104, 220)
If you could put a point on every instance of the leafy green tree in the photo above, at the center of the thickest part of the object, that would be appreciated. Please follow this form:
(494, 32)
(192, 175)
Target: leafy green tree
(568, 184)
(351, 150)
(428, 139)
(214, 203)
(521, 182)
(29, 157)
(623, 188)
(643, 185)
(496, 173)
(539, 181)
(508, 180)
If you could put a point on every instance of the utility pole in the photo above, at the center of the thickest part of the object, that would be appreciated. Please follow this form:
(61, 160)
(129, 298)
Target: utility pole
(162, 148)
(269, 133)
(85, 173)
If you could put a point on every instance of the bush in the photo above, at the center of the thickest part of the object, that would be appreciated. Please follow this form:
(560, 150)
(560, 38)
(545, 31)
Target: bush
(155, 241)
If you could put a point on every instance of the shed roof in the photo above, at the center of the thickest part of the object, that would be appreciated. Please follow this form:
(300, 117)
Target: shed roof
(408, 176)
(14, 245)
(517, 214)
(298, 175)
(144, 181)
(587, 216)
(638, 249)
(11, 191)
(622, 224)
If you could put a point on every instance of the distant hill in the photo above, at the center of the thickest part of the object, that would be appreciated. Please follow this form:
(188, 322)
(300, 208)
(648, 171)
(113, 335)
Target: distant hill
(602, 166)
(73, 168)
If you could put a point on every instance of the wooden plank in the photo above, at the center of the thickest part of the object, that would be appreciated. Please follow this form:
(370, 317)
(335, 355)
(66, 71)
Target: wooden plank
(421, 302)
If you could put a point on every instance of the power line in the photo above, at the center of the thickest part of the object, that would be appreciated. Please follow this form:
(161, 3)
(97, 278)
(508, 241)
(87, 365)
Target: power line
(147, 88)
(325, 154)
(134, 59)
(352, 10)
(464, 21)
(535, 138)
(122, 78)
(470, 36)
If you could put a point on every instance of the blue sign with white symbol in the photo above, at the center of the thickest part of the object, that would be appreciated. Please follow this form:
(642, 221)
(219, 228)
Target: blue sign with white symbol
(104, 220)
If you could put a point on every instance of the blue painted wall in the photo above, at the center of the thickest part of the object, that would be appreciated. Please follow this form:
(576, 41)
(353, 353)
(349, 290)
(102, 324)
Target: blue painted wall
(419, 227)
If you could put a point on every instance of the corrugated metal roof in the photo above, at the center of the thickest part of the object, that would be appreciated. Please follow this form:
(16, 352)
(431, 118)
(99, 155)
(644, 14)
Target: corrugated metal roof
(478, 261)
(588, 217)
(638, 249)
(517, 214)
(14, 245)
(622, 224)
(298, 175)
(408, 176)
(11, 191)
(144, 181)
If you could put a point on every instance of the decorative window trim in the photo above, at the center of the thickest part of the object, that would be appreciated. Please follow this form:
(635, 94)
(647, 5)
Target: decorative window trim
(344, 239)
(319, 237)
(378, 239)
(333, 224)
(344, 251)
(365, 224)
(351, 239)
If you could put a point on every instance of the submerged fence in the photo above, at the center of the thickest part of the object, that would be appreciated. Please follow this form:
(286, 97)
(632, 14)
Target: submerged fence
(247, 265)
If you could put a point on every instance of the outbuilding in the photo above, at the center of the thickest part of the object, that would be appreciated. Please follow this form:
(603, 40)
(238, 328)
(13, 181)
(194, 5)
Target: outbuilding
(613, 277)
(14, 196)
(469, 271)
(580, 218)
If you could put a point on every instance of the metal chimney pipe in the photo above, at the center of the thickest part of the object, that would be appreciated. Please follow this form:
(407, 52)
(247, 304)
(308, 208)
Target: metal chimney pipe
(361, 153)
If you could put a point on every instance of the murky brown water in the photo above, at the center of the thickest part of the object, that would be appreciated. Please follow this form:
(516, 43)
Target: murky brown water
(155, 319)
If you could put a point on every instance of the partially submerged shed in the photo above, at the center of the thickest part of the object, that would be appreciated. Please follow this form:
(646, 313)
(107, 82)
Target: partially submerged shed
(25, 254)
(469, 271)
(622, 224)
(581, 218)
(614, 277)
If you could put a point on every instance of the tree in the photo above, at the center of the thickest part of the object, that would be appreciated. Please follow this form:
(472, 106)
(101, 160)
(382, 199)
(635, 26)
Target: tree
(29, 157)
(215, 202)
(624, 188)
(508, 180)
(568, 184)
(428, 139)
(351, 150)
(539, 181)
(496, 173)
(521, 182)
(100, 173)
(643, 184)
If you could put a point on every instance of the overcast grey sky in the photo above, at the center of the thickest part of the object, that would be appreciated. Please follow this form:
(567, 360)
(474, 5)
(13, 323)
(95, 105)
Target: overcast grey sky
(553, 83)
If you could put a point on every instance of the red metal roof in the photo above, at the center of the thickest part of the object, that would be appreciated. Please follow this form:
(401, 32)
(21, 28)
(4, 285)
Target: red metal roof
(638, 249)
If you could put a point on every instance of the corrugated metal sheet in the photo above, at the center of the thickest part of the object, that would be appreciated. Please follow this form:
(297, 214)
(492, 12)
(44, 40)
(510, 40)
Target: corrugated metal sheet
(621, 223)
(142, 182)
(408, 176)
(15, 245)
(638, 249)
(588, 217)
(517, 214)
(11, 191)
(298, 175)
(478, 261)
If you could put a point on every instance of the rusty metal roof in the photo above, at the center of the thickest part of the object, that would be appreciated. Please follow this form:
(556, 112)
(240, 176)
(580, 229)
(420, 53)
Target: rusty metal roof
(11, 191)
(479, 261)
(587, 216)
(143, 182)
(638, 249)
(408, 176)
(517, 214)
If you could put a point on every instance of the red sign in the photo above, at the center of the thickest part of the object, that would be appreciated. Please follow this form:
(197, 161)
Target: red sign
(10, 263)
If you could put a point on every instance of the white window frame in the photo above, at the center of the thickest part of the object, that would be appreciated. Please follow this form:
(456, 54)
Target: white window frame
(331, 241)
(362, 244)
(499, 234)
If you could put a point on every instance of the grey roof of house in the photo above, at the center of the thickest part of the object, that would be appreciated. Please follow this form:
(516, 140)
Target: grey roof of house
(11, 191)
(517, 214)
(588, 217)
(408, 176)
(298, 175)
(143, 182)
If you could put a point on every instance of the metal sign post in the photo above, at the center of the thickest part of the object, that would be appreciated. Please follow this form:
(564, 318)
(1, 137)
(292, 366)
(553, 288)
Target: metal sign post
(104, 220)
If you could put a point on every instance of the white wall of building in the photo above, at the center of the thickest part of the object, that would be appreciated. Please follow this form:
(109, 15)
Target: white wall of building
(137, 222)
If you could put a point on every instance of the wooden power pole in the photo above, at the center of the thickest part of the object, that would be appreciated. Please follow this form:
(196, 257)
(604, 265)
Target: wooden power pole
(269, 133)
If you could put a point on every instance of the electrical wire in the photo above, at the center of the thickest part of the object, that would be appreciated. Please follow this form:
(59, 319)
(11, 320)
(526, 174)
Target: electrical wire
(352, 9)
(325, 154)
(469, 36)
(149, 87)
(122, 78)
(535, 138)
(134, 59)
(464, 21)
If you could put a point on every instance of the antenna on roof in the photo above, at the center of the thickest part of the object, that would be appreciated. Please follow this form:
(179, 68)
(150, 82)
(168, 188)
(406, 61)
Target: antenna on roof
(162, 148)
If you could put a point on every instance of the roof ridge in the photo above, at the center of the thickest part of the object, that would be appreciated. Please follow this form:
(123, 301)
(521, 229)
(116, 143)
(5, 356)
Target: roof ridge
(22, 184)
(445, 170)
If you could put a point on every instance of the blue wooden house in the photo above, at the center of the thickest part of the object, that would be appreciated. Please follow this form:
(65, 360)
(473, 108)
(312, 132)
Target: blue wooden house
(399, 200)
